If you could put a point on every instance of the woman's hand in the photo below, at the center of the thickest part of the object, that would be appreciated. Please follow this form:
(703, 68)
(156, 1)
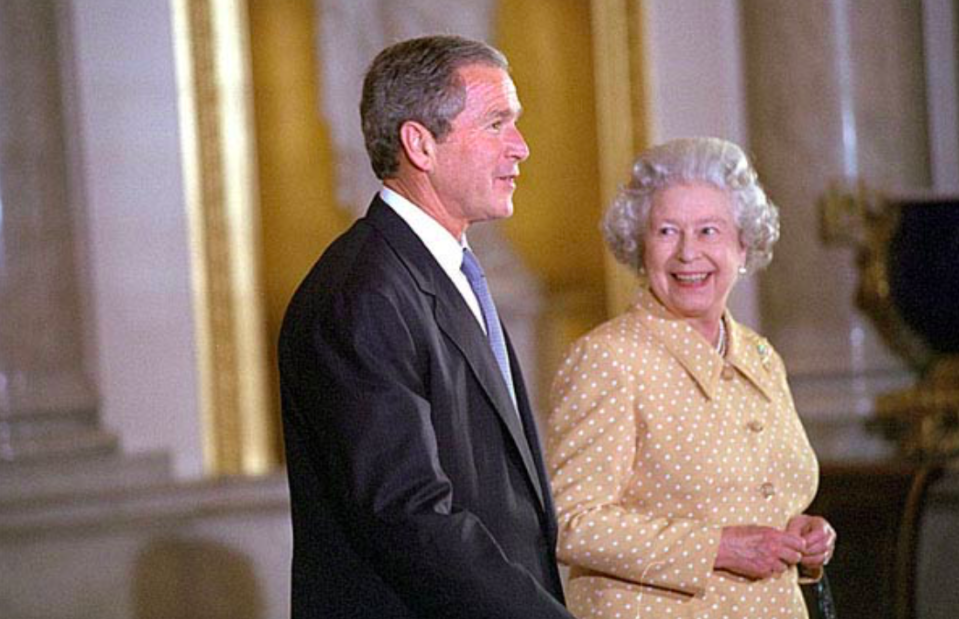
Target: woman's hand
(758, 552)
(819, 536)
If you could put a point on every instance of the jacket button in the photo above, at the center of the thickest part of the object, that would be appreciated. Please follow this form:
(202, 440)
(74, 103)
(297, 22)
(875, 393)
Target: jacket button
(767, 490)
(755, 425)
(728, 372)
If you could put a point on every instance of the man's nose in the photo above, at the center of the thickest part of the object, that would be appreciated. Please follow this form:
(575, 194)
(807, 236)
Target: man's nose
(519, 149)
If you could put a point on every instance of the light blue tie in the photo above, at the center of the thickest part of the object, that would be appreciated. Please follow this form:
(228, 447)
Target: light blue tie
(494, 331)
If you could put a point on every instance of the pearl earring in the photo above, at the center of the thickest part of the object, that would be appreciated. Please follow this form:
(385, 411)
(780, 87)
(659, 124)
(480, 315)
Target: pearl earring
(742, 270)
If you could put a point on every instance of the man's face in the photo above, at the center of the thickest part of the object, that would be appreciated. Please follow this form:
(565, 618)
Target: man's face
(478, 161)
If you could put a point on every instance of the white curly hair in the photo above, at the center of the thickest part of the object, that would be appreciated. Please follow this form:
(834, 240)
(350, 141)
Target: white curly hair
(713, 161)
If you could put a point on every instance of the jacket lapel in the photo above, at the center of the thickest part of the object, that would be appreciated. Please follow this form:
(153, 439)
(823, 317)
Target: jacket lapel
(456, 321)
(752, 355)
(682, 341)
(696, 356)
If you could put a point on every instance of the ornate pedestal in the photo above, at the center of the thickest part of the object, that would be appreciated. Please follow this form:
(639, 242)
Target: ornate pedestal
(909, 285)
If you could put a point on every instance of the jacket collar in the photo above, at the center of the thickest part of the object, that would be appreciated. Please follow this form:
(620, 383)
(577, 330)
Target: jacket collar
(750, 354)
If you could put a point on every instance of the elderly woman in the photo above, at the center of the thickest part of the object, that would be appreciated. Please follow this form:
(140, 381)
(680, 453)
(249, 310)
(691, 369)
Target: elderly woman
(680, 468)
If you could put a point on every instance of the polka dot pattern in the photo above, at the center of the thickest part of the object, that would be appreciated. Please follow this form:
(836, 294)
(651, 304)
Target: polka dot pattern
(655, 443)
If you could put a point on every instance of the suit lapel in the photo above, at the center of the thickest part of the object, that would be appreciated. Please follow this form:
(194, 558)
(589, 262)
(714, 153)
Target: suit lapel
(461, 328)
(456, 321)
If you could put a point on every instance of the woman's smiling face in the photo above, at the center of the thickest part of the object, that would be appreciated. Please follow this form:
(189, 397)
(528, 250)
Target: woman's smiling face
(692, 251)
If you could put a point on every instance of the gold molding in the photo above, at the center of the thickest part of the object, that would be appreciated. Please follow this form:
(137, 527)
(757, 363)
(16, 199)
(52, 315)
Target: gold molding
(925, 417)
(211, 39)
(621, 102)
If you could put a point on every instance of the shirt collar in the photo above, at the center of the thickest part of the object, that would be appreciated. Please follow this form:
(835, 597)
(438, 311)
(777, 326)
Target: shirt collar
(746, 351)
(441, 244)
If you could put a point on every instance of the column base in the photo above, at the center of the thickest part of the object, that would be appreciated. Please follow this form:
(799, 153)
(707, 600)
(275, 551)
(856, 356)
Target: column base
(218, 548)
(50, 477)
(46, 435)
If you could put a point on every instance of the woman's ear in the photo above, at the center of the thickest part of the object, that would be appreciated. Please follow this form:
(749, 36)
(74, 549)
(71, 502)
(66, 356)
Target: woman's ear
(418, 145)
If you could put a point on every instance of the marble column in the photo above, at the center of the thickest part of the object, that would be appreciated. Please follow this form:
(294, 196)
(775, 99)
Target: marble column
(47, 405)
(835, 94)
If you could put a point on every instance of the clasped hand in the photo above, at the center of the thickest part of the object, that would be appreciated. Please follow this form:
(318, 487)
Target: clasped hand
(759, 552)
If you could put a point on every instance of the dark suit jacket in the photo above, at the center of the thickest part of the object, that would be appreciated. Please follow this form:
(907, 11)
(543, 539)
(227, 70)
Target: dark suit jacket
(416, 491)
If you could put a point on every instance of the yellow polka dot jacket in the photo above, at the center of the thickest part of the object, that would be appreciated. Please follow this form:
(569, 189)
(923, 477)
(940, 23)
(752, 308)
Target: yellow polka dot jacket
(655, 443)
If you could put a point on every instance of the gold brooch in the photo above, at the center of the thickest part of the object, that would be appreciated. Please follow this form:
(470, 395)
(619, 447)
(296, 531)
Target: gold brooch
(764, 357)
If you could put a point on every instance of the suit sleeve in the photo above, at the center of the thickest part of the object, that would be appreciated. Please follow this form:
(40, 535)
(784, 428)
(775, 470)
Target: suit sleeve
(595, 431)
(372, 373)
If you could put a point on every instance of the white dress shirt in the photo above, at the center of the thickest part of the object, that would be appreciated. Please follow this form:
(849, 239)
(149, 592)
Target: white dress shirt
(444, 247)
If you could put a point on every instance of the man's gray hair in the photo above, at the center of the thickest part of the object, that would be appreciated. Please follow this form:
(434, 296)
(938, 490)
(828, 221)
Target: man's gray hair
(416, 80)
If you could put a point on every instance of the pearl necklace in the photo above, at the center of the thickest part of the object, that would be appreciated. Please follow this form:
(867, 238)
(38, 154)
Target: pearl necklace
(721, 345)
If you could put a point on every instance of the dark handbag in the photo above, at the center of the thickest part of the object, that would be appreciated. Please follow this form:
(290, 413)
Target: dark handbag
(819, 599)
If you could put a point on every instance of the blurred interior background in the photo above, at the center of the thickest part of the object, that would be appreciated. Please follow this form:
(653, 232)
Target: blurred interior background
(170, 169)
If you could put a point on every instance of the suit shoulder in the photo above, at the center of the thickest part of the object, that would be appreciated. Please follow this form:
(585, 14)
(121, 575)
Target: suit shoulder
(358, 264)
(359, 258)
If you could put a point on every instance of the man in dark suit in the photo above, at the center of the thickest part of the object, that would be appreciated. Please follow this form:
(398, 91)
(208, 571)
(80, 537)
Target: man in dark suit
(416, 478)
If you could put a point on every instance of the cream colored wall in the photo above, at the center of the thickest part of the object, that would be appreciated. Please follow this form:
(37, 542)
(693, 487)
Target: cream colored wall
(124, 119)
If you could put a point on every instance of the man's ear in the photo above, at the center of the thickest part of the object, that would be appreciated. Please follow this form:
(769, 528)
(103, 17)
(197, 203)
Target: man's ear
(418, 145)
